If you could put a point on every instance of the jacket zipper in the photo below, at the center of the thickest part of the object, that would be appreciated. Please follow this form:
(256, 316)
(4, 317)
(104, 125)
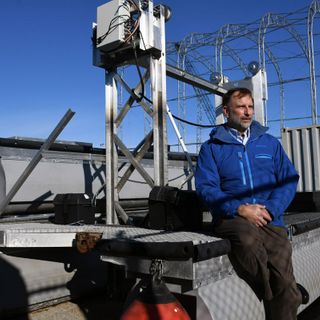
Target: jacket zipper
(250, 175)
(244, 180)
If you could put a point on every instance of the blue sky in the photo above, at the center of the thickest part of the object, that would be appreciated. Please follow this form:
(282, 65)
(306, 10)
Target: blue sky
(46, 64)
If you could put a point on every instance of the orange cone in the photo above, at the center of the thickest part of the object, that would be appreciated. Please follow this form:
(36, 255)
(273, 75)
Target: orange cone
(155, 302)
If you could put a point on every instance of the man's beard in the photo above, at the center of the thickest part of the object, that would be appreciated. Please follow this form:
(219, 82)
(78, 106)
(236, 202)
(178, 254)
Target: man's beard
(239, 124)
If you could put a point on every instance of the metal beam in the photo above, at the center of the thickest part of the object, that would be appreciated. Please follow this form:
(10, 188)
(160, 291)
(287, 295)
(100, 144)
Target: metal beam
(193, 80)
(133, 161)
(138, 157)
(36, 159)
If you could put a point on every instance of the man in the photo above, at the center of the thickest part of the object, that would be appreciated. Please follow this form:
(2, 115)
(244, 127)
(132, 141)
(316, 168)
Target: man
(246, 180)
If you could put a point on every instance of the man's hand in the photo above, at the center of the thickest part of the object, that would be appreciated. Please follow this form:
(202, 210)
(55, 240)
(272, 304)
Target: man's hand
(255, 213)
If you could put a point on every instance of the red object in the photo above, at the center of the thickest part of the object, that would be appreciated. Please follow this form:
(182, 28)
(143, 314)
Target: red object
(144, 311)
(154, 302)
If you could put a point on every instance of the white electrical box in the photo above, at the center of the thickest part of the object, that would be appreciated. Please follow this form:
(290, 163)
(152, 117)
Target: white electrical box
(150, 30)
(113, 19)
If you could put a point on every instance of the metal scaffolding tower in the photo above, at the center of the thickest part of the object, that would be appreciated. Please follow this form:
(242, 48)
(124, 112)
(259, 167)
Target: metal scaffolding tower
(146, 49)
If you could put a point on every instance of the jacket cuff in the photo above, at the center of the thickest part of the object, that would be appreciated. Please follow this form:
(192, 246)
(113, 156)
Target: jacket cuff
(271, 209)
(232, 208)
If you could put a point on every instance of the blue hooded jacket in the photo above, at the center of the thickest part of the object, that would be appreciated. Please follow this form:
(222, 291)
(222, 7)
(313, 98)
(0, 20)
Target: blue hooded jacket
(230, 174)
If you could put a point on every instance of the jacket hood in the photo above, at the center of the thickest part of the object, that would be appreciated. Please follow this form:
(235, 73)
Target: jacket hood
(221, 132)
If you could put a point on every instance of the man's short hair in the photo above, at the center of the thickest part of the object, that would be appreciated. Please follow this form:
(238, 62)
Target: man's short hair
(242, 92)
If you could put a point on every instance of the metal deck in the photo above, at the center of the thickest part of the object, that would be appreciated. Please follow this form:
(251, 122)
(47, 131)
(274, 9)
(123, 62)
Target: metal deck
(30, 235)
(206, 278)
(41, 235)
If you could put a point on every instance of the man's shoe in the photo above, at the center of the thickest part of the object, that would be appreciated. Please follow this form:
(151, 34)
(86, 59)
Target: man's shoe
(304, 294)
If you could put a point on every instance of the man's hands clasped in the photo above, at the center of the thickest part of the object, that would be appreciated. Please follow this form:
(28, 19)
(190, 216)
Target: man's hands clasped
(255, 213)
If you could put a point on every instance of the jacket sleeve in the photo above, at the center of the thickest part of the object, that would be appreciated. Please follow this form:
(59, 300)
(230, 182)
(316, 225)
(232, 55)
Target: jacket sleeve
(208, 188)
(287, 180)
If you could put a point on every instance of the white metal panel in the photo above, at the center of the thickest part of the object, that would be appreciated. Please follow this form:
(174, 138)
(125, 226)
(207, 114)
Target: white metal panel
(296, 154)
(302, 145)
(66, 172)
(307, 159)
(316, 156)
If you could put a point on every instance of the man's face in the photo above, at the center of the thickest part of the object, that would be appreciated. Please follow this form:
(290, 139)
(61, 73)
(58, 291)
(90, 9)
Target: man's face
(239, 112)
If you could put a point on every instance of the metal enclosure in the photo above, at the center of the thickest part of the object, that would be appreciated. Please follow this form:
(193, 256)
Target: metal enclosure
(112, 14)
(302, 145)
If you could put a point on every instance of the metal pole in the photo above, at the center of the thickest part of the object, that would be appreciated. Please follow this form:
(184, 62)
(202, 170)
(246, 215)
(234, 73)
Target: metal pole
(159, 98)
(111, 106)
(180, 139)
(2, 182)
(35, 160)
(313, 9)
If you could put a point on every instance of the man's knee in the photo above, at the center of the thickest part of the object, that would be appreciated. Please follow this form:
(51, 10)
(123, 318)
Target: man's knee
(247, 235)
(247, 240)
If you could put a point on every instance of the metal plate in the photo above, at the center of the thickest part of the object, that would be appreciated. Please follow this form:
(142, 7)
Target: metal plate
(51, 235)
(41, 235)
(148, 235)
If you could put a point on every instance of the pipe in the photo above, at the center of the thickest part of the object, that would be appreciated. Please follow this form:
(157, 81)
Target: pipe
(2, 182)
(41, 207)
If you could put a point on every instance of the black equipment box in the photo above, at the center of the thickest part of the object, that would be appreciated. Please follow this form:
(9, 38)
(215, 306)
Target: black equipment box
(73, 208)
(173, 209)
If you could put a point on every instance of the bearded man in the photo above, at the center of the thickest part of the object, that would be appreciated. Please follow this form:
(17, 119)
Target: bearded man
(247, 181)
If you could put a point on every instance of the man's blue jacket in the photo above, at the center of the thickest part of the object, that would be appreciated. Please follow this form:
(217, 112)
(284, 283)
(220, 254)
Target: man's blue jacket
(230, 174)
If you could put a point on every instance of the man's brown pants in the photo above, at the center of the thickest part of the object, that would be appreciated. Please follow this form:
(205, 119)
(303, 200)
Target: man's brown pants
(262, 257)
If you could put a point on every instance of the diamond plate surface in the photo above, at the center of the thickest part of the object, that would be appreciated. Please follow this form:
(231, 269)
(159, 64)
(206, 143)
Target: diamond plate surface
(50, 235)
(231, 299)
(147, 235)
(211, 270)
(306, 262)
(37, 235)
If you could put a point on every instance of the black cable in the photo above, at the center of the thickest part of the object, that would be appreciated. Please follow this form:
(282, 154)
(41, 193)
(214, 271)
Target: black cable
(194, 124)
(146, 98)
(124, 20)
(139, 73)
(112, 27)
(126, 6)
(182, 120)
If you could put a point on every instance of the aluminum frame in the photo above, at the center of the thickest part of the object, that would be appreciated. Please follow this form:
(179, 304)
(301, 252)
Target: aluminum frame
(155, 71)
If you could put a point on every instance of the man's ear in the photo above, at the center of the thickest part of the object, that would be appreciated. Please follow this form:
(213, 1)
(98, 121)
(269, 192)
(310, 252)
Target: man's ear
(225, 111)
